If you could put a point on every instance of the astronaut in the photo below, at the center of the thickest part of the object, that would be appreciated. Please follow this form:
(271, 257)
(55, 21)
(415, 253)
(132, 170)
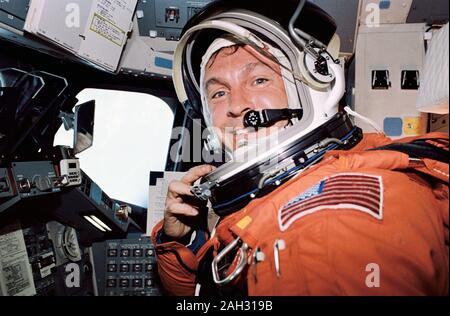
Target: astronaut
(326, 210)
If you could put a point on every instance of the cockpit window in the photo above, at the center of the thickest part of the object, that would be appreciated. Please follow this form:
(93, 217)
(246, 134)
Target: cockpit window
(131, 138)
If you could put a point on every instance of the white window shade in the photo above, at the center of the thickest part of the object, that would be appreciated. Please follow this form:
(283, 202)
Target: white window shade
(131, 138)
(433, 91)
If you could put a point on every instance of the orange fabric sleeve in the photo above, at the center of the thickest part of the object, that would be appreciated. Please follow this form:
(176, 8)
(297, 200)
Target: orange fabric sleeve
(177, 266)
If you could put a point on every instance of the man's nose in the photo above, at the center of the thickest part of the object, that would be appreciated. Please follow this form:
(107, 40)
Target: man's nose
(239, 105)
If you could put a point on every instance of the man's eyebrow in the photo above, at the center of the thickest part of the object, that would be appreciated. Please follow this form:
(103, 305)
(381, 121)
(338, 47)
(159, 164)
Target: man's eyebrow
(250, 67)
(214, 80)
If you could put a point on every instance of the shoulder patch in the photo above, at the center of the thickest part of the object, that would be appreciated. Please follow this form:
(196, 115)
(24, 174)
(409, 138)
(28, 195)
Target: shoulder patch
(361, 192)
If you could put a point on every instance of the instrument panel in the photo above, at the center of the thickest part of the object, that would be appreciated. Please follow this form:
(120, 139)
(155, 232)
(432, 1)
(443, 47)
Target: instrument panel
(126, 267)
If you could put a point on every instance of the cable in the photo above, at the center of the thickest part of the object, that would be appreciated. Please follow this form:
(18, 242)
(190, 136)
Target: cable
(311, 39)
(301, 42)
(363, 118)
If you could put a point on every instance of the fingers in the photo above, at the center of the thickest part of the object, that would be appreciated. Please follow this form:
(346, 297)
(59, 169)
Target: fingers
(183, 187)
(196, 173)
(182, 209)
(177, 188)
(180, 202)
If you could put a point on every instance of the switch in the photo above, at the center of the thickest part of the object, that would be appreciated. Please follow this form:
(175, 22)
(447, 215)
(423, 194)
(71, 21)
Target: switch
(148, 282)
(112, 267)
(380, 80)
(24, 186)
(138, 283)
(111, 283)
(112, 252)
(137, 267)
(149, 267)
(124, 267)
(125, 253)
(123, 213)
(410, 80)
(140, 14)
(172, 14)
(124, 283)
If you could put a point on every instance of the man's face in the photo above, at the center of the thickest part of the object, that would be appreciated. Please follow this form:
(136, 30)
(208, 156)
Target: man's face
(239, 79)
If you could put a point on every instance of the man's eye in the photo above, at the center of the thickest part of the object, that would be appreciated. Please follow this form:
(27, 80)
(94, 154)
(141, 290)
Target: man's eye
(260, 81)
(218, 94)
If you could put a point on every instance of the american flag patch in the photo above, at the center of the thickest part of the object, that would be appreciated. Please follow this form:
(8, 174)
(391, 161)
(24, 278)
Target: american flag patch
(361, 192)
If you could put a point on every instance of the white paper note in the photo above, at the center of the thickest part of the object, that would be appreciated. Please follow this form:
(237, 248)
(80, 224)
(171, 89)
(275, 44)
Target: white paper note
(157, 199)
(16, 278)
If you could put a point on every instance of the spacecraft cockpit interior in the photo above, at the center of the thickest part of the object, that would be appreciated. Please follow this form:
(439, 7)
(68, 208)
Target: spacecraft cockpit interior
(92, 131)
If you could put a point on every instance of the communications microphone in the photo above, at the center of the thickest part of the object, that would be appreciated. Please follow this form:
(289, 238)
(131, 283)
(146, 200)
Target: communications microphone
(269, 117)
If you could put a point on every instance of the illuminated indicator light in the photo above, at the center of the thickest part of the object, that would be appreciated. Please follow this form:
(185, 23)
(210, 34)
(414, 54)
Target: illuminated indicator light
(90, 220)
(98, 221)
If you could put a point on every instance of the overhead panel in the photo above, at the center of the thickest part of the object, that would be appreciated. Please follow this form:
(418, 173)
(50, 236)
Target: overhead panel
(388, 72)
(149, 51)
(166, 18)
(430, 12)
(14, 12)
(384, 11)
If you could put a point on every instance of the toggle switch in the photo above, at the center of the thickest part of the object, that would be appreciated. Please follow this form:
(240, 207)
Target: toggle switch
(173, 14)
(24, 186)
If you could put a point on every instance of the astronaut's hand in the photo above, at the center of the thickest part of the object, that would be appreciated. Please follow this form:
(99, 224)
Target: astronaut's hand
(182, 213)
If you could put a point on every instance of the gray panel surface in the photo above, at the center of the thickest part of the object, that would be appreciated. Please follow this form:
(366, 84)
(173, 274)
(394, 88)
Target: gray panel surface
(429, 11)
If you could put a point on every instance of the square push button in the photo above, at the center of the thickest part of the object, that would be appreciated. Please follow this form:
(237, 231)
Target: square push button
(125, 253)
(111, 283)
(112, 252)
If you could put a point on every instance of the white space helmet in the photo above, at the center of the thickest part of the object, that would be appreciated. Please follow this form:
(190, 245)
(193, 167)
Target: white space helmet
(302, 40)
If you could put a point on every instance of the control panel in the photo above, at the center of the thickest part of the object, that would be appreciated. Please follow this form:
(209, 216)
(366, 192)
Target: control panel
(166, 18)
(14, 12)
(70, 168)
(42, 259)
(53, 252)
(126, 268)
(35, 178)
(113, 213)
(24, 180)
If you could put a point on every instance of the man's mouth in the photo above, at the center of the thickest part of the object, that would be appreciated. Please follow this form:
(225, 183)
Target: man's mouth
(244, 136)
(240, 131)
(241, 137)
